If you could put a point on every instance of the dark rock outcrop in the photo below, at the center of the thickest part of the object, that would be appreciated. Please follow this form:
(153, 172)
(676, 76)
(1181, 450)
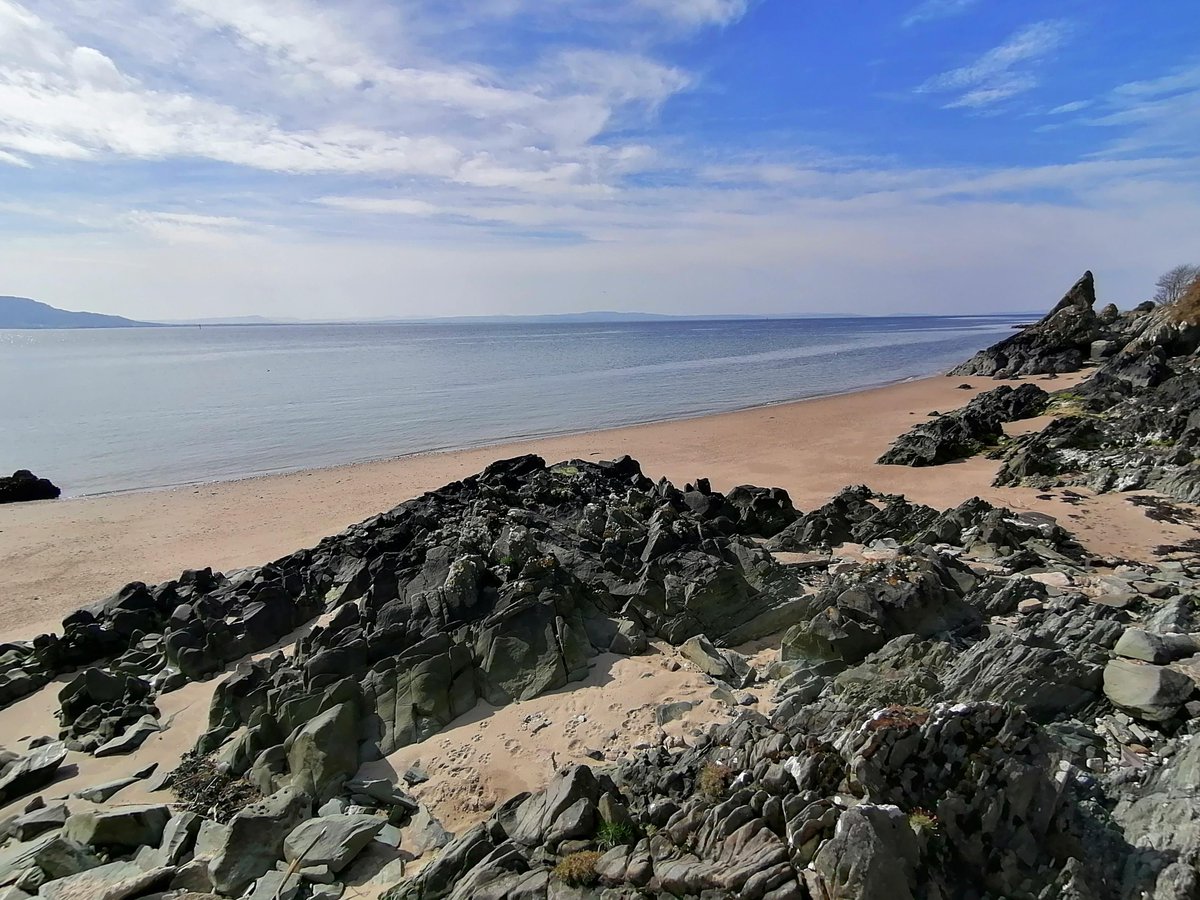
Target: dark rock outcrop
(1060, 342)
(966, 431)
(23, 486)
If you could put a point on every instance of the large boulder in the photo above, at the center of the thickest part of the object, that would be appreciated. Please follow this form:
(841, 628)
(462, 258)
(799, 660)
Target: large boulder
(1148, 692)
(23, 486)
(254, 840)
(123, 827)
(1060, 342)
(323, 752)
(332, 841)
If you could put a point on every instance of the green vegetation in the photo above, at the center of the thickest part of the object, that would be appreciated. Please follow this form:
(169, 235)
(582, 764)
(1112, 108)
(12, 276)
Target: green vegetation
(614, 834)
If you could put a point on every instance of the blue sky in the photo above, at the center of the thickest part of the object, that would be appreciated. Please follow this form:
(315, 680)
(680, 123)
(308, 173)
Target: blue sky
(174, 158)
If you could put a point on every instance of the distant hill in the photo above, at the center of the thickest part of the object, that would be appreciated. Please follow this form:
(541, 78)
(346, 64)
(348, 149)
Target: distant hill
(21, 312)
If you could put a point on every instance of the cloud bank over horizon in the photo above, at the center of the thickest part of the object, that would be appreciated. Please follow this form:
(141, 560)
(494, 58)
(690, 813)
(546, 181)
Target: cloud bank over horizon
(180, 158)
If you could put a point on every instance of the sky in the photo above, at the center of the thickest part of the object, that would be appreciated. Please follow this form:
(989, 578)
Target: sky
(365, 158)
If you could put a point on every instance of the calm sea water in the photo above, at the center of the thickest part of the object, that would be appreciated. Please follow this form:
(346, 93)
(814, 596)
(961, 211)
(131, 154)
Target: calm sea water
(114, 410)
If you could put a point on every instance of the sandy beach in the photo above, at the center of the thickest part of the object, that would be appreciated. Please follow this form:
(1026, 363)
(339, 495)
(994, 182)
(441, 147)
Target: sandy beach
(58, 555)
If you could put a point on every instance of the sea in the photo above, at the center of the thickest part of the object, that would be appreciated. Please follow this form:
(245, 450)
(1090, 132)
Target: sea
(110, 410)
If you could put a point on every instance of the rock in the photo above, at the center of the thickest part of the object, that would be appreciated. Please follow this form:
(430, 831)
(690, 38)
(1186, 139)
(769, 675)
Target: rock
(1155, 648)
(39, 821)
(873, 854)
(670, 712)
(332, 841)
(415, 775)
(124, 827)
(62, 857)
(102, 792)
(966, 431)
(700, 652)
(132, 738)
(1058, 343)
(114, 881)
(30, 772)
(1148, 692)
(540, 813)
(23, 486)
(255, 838)
(1030, 606)
(629, 640)
(425, 833)
(323, 752)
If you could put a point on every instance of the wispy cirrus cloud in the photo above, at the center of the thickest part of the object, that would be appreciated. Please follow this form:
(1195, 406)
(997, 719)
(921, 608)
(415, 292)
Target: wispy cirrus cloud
(931, 10)
(1004, 71)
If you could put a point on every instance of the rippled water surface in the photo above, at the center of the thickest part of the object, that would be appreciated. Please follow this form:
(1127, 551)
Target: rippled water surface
(122, 409)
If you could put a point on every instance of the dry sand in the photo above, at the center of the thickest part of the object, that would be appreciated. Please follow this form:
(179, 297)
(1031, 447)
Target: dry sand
(58, 555)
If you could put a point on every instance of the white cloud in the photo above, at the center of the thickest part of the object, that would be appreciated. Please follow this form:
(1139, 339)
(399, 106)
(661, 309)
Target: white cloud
(697, 13)
(1153, 115)
(1073, 106)
(383, 205)
(936, 9)
(541, 129)
(1002, 72)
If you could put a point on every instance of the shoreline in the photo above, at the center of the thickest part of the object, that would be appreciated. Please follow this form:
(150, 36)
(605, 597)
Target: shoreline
(487, 444)
(56, 556)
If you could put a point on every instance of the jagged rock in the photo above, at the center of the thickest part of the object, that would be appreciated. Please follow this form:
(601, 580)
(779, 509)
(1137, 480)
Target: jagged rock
(912, 595)
(425, 833)
(1161, 824)
(28, 773)
(761, 511)
(121, 827)
(332, 841)
(572, 789)
(874, 854)
(132, 738)
(49, 818)
(1058, 343)
(323, 752)
(254, 840)
(1149, 692)
(99, 793)
(23, 486)
(966, 431)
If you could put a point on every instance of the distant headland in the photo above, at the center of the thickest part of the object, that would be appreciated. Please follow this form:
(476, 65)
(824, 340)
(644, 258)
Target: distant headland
(21, 312)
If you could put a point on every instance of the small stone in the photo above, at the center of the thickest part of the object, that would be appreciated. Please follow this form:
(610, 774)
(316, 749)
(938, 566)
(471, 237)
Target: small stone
(1030, 606)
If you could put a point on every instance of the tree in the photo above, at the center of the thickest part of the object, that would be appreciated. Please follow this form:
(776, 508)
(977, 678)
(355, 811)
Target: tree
(1172, 284)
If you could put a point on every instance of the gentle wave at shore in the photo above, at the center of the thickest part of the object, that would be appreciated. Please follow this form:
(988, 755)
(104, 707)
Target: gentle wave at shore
(101, 411)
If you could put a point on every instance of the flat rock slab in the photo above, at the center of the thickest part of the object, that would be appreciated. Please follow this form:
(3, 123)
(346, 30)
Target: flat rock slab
(101, 792)
(125, 826)
(40, 821)
(34, 770)
(114, 881)
(135, 735)
(332, 841)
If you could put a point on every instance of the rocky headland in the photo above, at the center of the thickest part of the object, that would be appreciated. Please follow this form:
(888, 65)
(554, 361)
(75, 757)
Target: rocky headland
(883, 699)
